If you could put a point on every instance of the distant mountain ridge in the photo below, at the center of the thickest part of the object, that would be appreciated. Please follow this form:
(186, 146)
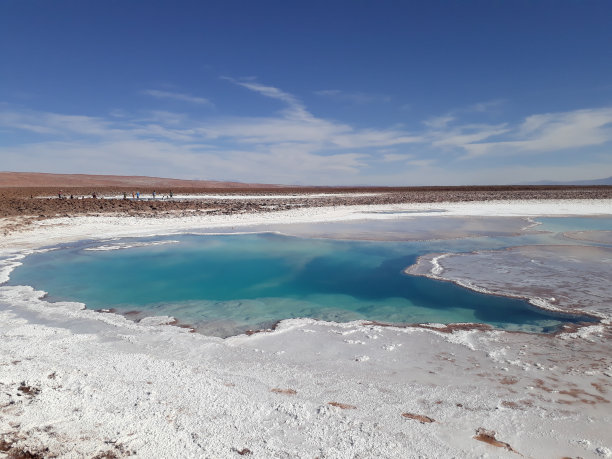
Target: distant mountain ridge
(40, 179)
(49, 180)
(603, 181)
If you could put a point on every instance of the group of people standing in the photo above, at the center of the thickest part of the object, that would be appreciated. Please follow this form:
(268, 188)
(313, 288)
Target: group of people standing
(136, 195)
(61, 195)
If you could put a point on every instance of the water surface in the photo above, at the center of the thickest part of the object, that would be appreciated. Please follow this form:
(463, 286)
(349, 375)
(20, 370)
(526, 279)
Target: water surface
(226, 284)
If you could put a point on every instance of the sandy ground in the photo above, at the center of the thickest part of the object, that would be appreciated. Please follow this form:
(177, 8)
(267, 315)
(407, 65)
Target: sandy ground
(76, 383)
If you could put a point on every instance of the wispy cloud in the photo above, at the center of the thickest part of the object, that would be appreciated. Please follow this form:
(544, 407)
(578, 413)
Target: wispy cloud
(357, 98)
(394, 157)
(295, 108)
(158, 94)
(289, 146)
(293, 145)
(460, 136)
(54, 123)
(298, 124)
(439, 122)
(486, 106)
(550, 132)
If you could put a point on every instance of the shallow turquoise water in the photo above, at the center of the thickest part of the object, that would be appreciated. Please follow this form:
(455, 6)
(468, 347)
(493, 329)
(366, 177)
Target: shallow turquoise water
(560, 224)
(230, 283)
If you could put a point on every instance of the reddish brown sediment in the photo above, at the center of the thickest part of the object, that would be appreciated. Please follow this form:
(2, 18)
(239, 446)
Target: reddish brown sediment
(263, 330)
(283, 391)
(7, 446)
(600, 388)
(578, 396)
(446, 328)
(137, 315)
(342, 406)
(177, 323)
(418, 417)
(582, 396)
(488, 436)
(253, 332)
(28, 390)
(509, 404)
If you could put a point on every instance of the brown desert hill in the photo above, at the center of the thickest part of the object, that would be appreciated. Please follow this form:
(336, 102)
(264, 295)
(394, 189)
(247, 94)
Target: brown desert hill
(44, 180)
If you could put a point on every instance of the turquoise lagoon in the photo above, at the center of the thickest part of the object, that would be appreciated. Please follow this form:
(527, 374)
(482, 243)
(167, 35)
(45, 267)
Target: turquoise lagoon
(226, 284)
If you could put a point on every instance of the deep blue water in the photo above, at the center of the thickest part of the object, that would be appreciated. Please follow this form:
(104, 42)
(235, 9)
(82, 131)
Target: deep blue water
(230, 283)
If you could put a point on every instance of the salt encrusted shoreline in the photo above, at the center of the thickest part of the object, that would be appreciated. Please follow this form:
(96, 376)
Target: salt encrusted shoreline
(66, 229)
(585, 299)
(78, 383)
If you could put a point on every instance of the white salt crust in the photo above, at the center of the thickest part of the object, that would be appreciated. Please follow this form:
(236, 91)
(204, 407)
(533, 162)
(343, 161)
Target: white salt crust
(79, 383)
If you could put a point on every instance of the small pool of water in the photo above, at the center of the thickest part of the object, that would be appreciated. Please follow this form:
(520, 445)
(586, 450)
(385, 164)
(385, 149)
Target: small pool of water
(227, 284)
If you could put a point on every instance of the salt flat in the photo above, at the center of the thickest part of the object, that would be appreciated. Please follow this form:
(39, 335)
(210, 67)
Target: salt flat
(79, 383)
(72, 228)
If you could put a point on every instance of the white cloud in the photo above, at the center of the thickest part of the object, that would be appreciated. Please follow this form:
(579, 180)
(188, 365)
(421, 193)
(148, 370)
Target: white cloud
(438, 174)
(282, 164)
(487, 106)
(299, 125)
(467, 134)
(374, 138)
(55, 123)
(295, 109)
(439, 122)
(293, 145)
(394, 157)
(177, 96)
(550, 133)
(442, 121)
(268, 91)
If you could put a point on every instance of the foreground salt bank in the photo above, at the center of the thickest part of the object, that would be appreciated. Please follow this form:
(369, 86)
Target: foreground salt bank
(79, 382)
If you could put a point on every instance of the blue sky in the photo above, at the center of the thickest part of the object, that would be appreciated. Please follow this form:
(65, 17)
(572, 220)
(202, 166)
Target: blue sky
(331, 93)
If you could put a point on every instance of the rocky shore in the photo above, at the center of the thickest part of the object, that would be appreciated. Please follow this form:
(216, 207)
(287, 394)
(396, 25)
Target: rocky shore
(43, 202)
